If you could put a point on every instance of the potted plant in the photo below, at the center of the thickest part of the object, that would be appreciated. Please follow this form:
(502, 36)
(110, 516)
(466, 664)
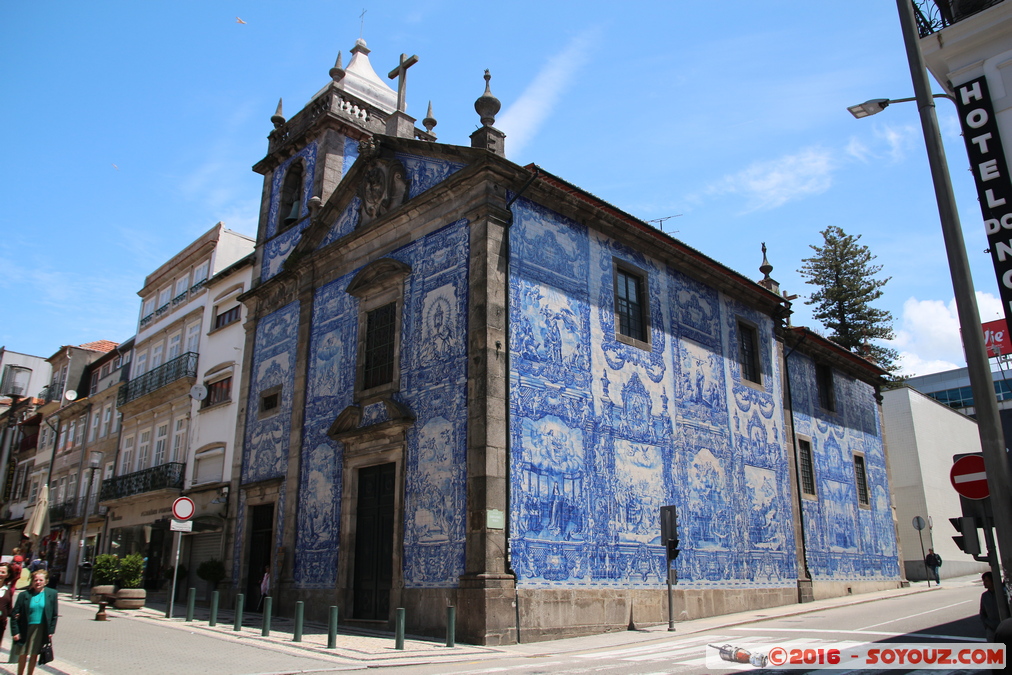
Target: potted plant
(212, 571)
(131, 595)
(104, 574)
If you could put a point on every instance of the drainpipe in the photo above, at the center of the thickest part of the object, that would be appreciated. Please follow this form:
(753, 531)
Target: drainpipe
(509, 449)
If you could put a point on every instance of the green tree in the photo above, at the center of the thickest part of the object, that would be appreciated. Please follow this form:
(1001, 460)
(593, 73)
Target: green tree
(843, 272)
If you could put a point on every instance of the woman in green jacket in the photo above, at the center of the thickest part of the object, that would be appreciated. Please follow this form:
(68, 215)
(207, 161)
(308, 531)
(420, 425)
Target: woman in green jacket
(34, 621)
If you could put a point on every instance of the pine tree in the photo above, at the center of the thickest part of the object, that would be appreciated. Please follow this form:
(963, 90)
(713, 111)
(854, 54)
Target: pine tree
(843, 272)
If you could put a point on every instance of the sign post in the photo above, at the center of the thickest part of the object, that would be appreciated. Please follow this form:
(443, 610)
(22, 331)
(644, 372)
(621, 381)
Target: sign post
(182, 511)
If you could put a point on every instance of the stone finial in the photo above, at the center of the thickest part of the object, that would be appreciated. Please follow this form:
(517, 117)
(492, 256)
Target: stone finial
(337, 72)
(765, 267)
(278, 118)
(487, 105)
(767, 281)
(429, 122)
(314, 205)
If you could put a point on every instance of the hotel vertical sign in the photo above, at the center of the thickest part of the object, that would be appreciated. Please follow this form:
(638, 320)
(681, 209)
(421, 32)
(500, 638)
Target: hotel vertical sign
(990, 174)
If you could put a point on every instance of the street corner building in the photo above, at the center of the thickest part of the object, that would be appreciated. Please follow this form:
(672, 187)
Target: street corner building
(472, 383)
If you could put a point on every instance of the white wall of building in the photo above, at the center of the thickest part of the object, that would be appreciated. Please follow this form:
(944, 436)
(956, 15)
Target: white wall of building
(922, 436)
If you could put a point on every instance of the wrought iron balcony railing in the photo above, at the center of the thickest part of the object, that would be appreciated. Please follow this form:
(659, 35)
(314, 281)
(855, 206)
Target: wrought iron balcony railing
(74, 508)
(934, 15)
(160, 477)
(167, 373)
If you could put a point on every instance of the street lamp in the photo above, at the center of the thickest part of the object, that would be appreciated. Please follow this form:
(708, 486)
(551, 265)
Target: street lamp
(94, 460)
(877, 105)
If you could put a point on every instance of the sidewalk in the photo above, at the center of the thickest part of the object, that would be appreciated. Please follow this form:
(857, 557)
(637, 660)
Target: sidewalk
(357, 649)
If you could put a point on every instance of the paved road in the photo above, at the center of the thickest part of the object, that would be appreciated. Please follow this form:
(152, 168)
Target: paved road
(945, 615)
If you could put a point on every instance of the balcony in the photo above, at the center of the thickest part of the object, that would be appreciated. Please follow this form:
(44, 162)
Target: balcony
(167, 373)
(51, 393)
(164, 476)
(74, 508)
(934, 15)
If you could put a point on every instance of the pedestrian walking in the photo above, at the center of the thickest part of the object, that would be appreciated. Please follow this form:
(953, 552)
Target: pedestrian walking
(34, 622)
(6, 595)
(933, 561)
(989, 607)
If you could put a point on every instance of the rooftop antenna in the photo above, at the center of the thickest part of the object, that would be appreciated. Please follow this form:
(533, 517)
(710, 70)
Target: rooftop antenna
(660, 222)
(361, 28)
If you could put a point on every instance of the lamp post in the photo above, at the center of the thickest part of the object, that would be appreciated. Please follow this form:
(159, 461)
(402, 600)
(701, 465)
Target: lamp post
(988, 422)
(94, 460)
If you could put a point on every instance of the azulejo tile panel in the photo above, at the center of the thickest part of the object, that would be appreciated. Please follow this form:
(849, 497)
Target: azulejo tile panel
(265, 451)
(846, 540)
(433, 380)
(424, 173)
(599, 445)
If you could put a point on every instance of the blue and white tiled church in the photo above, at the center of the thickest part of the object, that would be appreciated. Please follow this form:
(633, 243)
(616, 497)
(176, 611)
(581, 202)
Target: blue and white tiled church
(472, 383)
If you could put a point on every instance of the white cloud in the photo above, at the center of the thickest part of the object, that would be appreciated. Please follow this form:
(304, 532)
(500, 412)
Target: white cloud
(772, 183)
(524, 118)
(898, 139)
(929, 339)
(858, 150)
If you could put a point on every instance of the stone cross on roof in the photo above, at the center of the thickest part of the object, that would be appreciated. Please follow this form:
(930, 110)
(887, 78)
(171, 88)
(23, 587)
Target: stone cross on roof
(401, 71)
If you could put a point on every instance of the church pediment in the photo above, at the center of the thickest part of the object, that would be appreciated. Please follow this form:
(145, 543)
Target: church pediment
(386, 417)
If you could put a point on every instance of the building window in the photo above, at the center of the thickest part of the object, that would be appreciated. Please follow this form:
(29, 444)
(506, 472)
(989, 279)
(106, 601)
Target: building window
(182, 285)
(179, 440)
(200, 275)
(82, 422)
(163, 299)
(748, 352)
(144, 451)
(175, 344)
(291, 197)
(141, 367)
(156, 355)
(126, 463)
(631, 305)
(379, 346)
(270, 402)
(806, 467)
(379, 286)
(218, 392)
(161, 441)
(93, 431)
(106, 369)
(227, 317)
(861, 478)
(208, 465)
(106, 420)
(193, 337)
(94, 384)
(824, 383)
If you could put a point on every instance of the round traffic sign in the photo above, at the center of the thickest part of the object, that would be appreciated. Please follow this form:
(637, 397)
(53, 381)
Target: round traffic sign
(183, 508)
(969, 478)
(918, 523)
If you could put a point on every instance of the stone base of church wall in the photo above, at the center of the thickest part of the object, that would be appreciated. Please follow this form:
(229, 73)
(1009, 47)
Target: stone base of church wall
(835, 589)
(548, 614)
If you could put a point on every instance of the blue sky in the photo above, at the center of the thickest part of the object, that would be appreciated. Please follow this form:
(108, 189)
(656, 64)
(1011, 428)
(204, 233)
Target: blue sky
(131, 127)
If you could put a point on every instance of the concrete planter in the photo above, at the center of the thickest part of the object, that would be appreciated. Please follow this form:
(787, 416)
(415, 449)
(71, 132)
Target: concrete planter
(98, 591)
(130, 598)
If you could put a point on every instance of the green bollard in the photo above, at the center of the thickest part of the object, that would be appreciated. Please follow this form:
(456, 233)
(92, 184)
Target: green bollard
(266, 630)
(300, 608)
(332, 629)
(191, 599)
(239, 601)
(399, 634)
(451, 626)
(214, 610)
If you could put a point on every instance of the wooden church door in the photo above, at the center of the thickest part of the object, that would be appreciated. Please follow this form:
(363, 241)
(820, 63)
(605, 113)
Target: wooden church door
(374, 540)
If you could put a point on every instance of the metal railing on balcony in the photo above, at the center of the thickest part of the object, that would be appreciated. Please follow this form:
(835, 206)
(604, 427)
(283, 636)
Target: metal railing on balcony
(74, 508)
(167, 373)
(159, 477)
(51, 393)
(934, 15)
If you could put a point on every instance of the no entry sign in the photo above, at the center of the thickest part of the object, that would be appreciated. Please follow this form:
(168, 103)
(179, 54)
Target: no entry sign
(182, 508)
(969, 478)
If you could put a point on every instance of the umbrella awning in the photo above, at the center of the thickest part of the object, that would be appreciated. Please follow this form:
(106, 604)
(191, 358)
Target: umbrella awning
(39, 520)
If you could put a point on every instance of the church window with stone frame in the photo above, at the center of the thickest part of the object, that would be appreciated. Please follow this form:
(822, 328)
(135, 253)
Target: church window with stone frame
(270, 402)
(632, 324)
(824, 384)
(806, 467)
(748, 352)
(290, 205)
(380, 290)
(861, 481)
